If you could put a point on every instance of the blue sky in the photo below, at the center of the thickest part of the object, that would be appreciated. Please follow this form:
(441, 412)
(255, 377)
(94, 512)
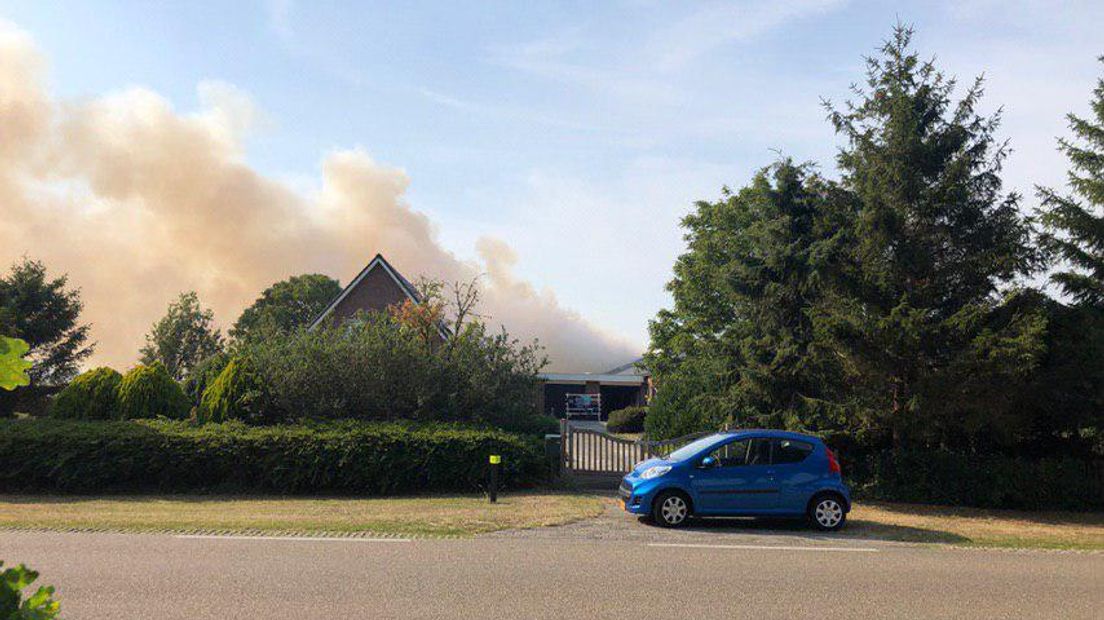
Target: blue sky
(578, 132)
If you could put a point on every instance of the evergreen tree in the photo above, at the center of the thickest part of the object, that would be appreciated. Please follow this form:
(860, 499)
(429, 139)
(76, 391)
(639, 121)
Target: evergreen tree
(1074, 224)
(44, 313)
(183, 338)
(739, 344)
(922, 312)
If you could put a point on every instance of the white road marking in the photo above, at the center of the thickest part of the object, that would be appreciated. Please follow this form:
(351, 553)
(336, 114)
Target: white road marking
(294, 538)
(764, 547)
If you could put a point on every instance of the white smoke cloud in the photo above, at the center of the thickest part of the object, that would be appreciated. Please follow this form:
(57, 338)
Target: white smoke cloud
(137, 202)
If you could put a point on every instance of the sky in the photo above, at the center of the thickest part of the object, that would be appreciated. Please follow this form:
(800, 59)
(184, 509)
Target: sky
(553, 147)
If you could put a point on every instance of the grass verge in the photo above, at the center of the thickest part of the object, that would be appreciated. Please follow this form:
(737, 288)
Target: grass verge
(977, 527)
(443, 515)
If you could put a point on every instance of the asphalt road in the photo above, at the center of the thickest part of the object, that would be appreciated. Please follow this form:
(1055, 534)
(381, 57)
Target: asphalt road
(120, 576)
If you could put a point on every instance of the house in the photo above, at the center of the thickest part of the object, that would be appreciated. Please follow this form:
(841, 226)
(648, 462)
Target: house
(595, 395)
(375, 289)
(591, 395)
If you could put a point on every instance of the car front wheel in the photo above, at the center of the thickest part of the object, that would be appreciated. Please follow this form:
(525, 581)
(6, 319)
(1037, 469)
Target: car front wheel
(826, 513)
(671, 509)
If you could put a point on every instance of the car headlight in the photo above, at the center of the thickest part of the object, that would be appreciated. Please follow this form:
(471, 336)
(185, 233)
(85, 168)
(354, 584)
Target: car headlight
(655, 471)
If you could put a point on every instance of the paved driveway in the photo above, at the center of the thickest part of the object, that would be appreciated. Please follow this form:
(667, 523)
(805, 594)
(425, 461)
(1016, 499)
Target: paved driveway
(550, 575)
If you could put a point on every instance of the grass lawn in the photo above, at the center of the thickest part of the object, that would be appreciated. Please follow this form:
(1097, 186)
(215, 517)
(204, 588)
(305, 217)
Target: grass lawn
(444, 515)
(977, 527)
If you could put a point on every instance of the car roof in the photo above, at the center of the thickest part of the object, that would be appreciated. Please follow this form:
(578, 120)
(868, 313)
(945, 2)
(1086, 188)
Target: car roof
(772, 433)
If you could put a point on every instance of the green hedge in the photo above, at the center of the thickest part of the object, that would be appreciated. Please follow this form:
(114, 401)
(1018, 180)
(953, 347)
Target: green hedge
(627, 420)
(939, 477)
(363, 458)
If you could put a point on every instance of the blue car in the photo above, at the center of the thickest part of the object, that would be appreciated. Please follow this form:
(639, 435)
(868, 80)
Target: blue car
(742, 473)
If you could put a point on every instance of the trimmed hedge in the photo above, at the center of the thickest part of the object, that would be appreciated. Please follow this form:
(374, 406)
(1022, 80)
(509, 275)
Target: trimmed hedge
(363, 458)
(150, 392)
(627, 420)
(93, 395)
(940, 477)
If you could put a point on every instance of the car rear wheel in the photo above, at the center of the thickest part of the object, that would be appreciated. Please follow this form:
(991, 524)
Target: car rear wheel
(671, 509)
(826, 512)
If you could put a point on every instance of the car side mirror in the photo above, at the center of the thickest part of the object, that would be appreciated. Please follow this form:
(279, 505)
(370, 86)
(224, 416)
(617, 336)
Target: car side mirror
(708, 462)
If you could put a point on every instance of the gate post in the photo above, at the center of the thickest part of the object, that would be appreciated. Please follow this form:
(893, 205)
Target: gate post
(565, 440)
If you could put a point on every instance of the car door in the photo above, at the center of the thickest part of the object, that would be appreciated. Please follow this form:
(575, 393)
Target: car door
(740, 482)
(790, 467)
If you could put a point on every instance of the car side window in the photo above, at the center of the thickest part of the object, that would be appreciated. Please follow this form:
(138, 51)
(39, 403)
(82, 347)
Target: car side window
(731, 454)
(759, 453)
(790, 451)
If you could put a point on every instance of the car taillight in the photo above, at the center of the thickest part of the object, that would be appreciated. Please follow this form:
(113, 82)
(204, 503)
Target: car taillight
(833, 464)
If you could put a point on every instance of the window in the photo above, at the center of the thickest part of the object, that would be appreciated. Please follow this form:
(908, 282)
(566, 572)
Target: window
(790, 451)
(743, 452)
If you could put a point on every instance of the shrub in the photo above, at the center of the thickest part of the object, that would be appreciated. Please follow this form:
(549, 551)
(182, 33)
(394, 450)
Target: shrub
(993, 481)
(234, 395)
(93, 395)
(204, 373)
(368, 458)
(149, 392)
(372, 369)
(627, 420)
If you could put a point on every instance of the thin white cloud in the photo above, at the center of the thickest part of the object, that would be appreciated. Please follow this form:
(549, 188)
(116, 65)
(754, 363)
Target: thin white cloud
(726, 22)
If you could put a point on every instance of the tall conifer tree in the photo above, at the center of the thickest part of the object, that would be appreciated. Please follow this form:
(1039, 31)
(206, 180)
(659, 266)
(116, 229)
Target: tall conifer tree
(1074, 224)
(922, 314)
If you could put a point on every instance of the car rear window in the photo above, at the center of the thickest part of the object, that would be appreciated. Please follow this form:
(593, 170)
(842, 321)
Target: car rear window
(791, 451)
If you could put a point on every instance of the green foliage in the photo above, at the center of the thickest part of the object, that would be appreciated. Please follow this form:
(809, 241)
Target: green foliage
(916, 314)
(203, 374)
(44, 314)
(93, 395)
(1074, 225)
(364, 458)
(739, 344)
(149, 392)
(371, 370)
(13, 368)
(983, 481)
(38, 606)
(627, 420)
(182, 338)
(286, 306)
(236, 394)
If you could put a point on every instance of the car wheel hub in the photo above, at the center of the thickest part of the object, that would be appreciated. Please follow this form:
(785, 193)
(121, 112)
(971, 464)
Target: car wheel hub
(829, 513)
(674, 510)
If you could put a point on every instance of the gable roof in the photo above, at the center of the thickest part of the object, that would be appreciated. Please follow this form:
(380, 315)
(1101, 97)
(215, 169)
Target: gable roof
(379, 262)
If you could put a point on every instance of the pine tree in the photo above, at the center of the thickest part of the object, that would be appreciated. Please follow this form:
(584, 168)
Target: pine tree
(1074, 224)
(920, 312)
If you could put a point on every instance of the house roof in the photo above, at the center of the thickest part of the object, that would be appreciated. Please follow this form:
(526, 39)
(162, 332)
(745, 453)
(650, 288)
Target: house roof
(635, 367)
(379, 262)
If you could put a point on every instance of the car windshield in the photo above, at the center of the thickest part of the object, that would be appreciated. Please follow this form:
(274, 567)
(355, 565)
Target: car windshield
(692, 448)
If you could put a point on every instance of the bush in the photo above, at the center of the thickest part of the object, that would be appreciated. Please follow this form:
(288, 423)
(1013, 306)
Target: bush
(994, 481)
(149, 392)
(234, 395)
(372, 369)
(627, 420)
(204, 373)
(93, 395)
(363, 458)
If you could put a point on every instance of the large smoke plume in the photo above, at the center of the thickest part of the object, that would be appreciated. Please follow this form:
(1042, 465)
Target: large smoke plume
(137, 202)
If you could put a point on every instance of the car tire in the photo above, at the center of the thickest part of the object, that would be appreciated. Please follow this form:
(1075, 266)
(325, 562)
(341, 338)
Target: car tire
(671, 509)
(827, 512)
